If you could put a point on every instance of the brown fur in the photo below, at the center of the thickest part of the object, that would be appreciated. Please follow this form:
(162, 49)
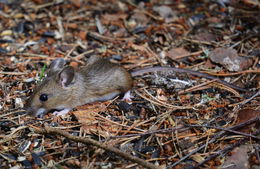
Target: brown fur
(99, 80)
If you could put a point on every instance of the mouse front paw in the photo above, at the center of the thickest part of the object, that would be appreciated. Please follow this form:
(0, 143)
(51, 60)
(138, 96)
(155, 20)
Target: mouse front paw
(61, 113)
(127, 97)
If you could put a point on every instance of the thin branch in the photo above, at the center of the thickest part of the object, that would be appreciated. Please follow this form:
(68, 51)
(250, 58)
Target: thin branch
(225, 150)
(13, 73)
(226, 129)
(12, 135)
(251, 98)
(218, 135)
(50, 130)
(168, 130)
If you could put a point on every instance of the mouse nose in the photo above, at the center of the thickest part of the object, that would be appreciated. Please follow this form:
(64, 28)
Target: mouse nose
(35, 112)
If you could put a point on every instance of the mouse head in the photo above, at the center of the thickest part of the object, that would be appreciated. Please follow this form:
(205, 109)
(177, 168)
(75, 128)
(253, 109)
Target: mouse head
(54, 92)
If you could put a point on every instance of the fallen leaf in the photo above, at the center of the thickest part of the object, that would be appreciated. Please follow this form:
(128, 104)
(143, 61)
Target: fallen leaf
(165, 12)
(72, 25)
(230, 59)
(82, 35)
(176, 53)
(91, 121)
(112, 18)
(238, 159)
(140, 17)
(205, 36)
(76, 3)
(161, 95)
(197, 157)
(245, 115)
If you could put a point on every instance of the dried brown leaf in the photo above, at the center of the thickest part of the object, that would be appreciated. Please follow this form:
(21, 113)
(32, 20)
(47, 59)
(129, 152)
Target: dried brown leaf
(92, 122)
(205, 36)
(238, 159)
(245, 115)
(176, 53)
(230, 59)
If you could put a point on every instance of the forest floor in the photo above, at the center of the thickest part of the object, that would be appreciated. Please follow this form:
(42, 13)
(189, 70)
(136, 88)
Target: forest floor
(175, 120)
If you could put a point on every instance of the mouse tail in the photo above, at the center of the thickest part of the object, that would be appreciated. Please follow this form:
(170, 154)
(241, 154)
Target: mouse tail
(142, 71)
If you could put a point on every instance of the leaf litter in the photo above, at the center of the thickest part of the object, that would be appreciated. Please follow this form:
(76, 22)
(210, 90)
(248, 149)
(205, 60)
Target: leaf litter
(174, 120)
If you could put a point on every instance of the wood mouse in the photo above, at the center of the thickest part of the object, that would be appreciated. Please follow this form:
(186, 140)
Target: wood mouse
(64, 88)
(99, 80)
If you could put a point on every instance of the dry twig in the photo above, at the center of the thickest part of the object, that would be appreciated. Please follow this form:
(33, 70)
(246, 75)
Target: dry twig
(218, 135)
(50, 130)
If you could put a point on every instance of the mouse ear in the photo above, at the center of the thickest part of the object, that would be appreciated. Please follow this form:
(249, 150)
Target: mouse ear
(56, 66)
(66, 76)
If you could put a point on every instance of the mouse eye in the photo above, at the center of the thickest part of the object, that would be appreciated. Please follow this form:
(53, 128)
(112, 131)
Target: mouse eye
(43, 97)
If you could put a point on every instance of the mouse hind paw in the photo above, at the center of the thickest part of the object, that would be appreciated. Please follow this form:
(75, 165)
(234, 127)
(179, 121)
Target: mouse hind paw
(62, 112)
